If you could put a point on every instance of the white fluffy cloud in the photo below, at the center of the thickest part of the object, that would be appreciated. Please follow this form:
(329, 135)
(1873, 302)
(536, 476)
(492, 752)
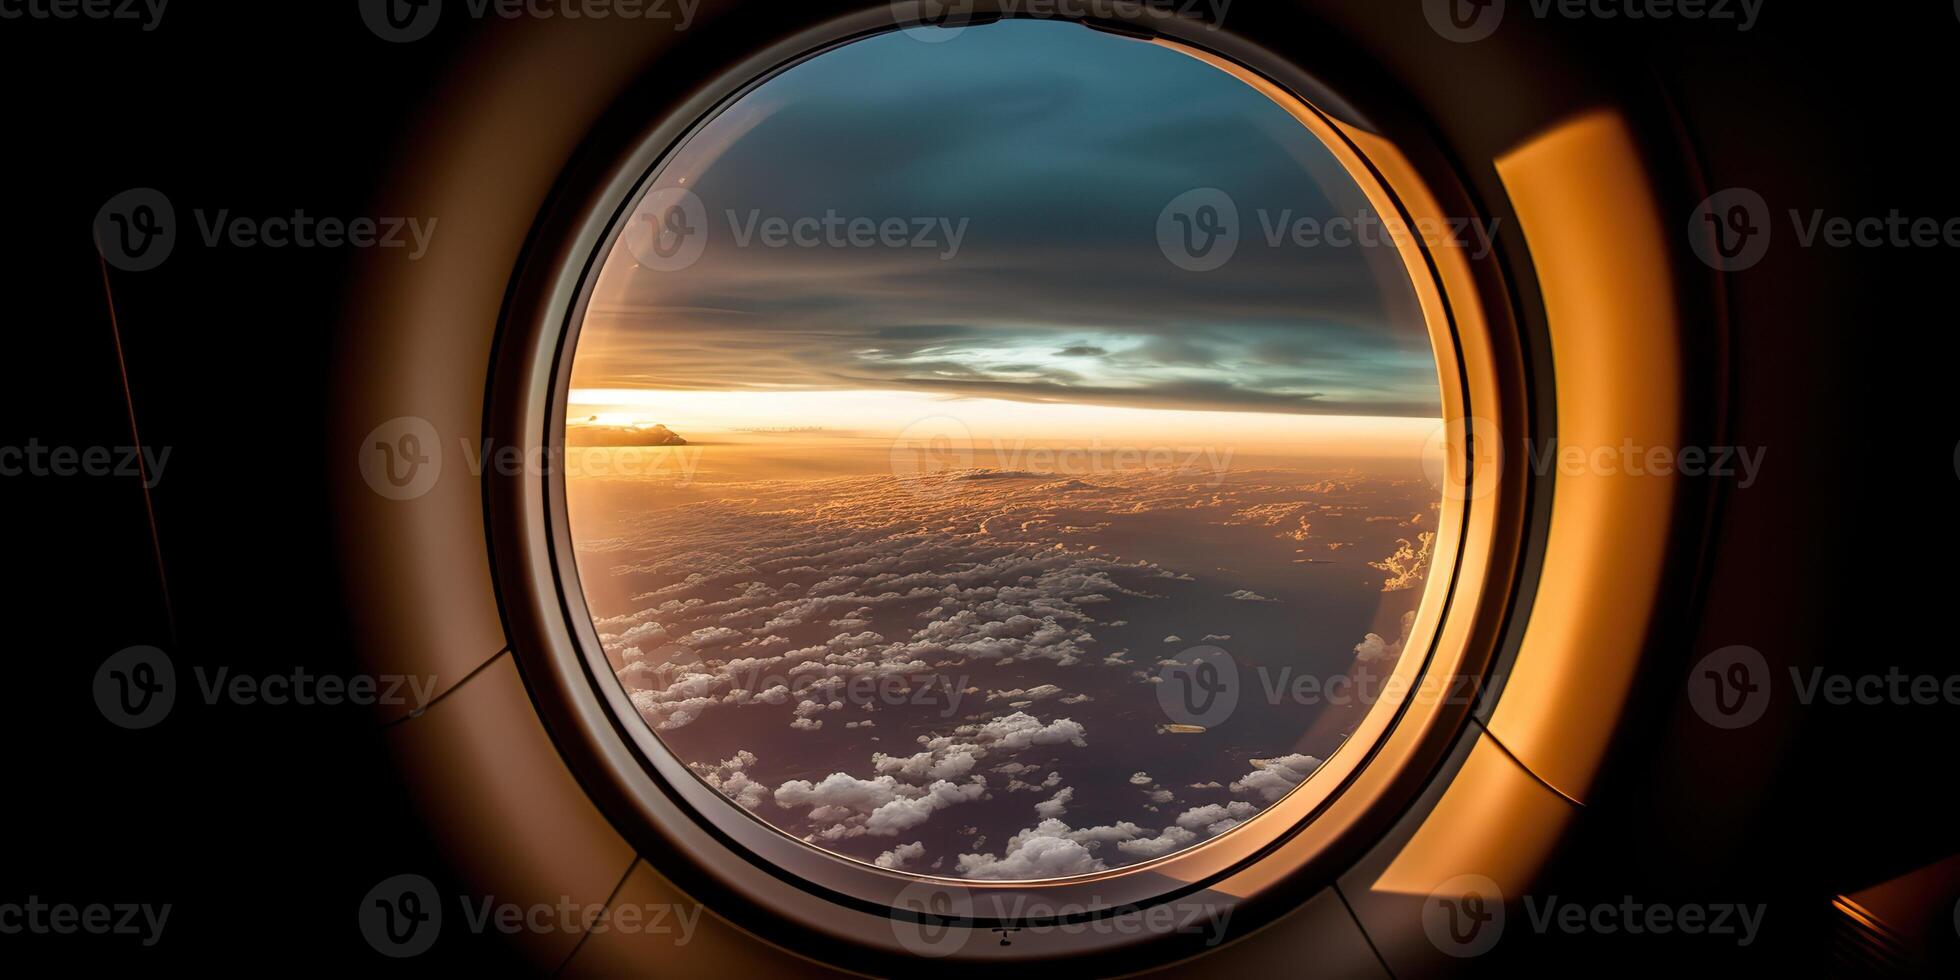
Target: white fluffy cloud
(1271, 779)
(1050, 849)
(774, 609)
(902, 855)
(1374, 649)
(908, 812)
(839, 789)
(731, 777)
(1037, 857)
(880, 807)
(1216, 818)
(1170, 839)
(1055, 805)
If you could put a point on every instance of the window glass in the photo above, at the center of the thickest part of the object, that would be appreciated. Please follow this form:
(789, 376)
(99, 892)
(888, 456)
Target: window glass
(996, 453)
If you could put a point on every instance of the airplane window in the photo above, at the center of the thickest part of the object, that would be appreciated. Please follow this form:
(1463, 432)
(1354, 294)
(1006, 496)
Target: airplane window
(1000, 458)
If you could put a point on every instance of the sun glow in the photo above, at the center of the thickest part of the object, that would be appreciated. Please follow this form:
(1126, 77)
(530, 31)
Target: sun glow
(700, 415)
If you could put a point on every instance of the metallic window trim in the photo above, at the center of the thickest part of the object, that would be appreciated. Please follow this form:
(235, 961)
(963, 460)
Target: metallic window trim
(798, 888)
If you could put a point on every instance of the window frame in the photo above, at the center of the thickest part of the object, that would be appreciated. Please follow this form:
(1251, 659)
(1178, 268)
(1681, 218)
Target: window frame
(690, 831)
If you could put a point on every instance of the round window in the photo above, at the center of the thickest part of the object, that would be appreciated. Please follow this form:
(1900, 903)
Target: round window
(998, 453)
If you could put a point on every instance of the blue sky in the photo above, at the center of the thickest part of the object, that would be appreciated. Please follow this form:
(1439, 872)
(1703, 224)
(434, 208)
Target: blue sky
(1053, 150)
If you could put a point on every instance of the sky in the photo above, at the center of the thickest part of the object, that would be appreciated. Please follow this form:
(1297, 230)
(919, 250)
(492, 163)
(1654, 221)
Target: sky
(1050, 151)
(741, 583)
